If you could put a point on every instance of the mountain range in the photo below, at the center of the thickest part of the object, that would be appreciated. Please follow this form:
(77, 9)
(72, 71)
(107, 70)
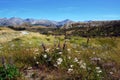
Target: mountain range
(14, 21)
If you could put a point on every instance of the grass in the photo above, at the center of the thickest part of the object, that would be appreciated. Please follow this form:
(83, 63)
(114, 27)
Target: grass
(98, 60)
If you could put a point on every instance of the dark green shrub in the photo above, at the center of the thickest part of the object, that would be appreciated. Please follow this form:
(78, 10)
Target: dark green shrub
(10, 72)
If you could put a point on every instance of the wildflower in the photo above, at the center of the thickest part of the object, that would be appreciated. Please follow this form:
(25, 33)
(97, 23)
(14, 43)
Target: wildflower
(111, 72)
(34, 57)
(99, 71)
(95, 59)
(57, 48)
(29, 68)
(55, 65)
(47, 50)
(69, 57)
(59, 61)
(83, 65)
(60, 53)
(97, 68)
(37, 62)
(45, 56)
(80, 62)
(71, 66)
(70, 70)
(75, 60)
(68, 50)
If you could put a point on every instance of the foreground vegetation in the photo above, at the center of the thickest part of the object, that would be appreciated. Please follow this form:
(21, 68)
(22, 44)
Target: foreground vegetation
(35, 56)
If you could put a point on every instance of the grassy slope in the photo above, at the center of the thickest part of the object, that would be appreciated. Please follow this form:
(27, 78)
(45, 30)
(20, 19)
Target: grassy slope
(23, 48)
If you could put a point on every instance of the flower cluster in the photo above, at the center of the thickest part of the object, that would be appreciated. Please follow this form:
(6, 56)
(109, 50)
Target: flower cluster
(82, 64)
(59, 61)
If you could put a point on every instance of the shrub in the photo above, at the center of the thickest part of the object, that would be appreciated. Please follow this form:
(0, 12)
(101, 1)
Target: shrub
(10, 72)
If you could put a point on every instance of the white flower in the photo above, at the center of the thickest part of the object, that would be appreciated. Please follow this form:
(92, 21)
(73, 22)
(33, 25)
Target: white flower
(55, 65)
(34, 57)
(95, 59)
(70, 70)
(75, 60)
(68, 50)
(99, 71)
(111, 72)
(29, 68)
(71, 66)
(37, 62)
(83, 66)
(45, 56)
(57, 48)
(47, 50)
(97, 68)
(80, 62)
(69, 57)
(60, 53)
(59, 61)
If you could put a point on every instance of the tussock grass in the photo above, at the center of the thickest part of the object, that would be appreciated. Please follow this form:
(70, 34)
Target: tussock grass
(78, 60)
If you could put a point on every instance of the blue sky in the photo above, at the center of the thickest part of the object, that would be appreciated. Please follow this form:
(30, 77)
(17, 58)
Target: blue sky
(78, 10)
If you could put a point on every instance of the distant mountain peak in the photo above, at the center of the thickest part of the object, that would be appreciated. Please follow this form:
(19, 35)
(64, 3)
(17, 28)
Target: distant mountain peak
(67, 20)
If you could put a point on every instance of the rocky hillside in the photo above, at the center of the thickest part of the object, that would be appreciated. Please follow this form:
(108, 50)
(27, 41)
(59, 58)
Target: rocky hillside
(93, 24)
(94, 28)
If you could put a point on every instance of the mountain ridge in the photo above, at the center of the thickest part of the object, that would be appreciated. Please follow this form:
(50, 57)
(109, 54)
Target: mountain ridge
(13, 21)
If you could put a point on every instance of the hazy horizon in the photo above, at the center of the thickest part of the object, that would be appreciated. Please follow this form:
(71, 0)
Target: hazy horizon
(60, 20)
